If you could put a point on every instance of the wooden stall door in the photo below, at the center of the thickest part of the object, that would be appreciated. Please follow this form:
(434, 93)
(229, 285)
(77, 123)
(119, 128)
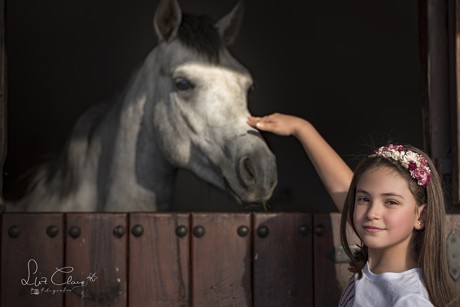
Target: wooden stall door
(196, 259)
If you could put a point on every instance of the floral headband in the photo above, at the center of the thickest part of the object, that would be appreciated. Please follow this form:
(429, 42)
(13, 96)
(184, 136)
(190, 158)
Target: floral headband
(414, 162)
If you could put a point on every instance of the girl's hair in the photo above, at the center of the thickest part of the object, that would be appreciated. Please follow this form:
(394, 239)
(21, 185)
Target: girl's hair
(429, 243)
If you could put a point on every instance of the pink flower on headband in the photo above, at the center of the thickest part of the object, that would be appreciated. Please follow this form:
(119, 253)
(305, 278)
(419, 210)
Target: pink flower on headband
(414, 162)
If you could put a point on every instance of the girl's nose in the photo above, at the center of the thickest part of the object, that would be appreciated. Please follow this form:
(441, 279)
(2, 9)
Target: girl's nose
(374, 211)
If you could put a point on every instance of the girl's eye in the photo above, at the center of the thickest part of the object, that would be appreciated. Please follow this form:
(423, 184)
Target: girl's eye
(362, 199)
(183, 84)
(391, 202)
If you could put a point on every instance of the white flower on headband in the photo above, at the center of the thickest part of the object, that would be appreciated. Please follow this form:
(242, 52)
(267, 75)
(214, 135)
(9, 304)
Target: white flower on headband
(414, 162)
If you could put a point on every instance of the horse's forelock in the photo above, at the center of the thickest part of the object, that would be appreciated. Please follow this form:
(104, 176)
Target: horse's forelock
(200, 33)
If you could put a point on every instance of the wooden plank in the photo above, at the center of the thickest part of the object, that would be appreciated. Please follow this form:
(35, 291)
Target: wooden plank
(456, 101)
(221, 260)
(282, 260)
(454, 230)
(31, 259)
(98, 259)
(159, 260)
(3, 92)
(330, 264)
(437, 81)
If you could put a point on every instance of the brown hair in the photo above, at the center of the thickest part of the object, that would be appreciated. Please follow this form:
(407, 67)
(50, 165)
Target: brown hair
(429, 243)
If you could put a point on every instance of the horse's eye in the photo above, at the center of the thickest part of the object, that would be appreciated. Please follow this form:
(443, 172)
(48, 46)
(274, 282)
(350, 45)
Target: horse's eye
(183, 84)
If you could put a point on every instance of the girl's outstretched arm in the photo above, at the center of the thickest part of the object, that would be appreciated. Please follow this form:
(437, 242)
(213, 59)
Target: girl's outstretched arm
(335, 174)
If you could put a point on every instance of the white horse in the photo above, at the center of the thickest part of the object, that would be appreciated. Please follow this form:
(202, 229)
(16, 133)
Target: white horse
(186, 107)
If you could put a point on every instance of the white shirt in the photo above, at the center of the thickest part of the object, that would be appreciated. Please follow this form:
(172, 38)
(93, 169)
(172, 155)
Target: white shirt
(386, 289)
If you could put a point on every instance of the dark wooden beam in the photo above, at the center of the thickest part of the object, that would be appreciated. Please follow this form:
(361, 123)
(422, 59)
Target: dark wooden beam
(438, 64)
(3, 96)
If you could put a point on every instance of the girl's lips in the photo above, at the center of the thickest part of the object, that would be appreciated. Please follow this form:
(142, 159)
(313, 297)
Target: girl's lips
(372, 229)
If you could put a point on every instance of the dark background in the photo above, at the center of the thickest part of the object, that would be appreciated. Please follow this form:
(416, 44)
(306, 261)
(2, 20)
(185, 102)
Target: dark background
(350, 67)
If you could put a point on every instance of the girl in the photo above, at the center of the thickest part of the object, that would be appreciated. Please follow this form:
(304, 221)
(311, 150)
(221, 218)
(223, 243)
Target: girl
(395, 204)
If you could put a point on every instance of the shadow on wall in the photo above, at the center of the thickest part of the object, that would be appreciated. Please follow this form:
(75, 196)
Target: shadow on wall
(345, 67)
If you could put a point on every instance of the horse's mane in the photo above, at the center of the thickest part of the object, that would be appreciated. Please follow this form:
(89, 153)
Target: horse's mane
(200, 33)
(62, 167)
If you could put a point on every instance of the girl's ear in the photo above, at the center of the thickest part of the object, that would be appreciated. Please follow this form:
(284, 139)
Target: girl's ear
(421, 212)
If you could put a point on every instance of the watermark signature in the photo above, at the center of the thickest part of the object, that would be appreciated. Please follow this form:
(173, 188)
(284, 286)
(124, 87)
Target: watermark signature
(60, 281)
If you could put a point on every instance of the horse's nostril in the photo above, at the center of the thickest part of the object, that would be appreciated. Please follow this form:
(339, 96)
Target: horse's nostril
(247, 171)
(249, 168)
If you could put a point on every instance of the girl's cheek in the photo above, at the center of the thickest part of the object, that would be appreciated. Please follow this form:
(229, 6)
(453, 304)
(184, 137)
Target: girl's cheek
(358, 215)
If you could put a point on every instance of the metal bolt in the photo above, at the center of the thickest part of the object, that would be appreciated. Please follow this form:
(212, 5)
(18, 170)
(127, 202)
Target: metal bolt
(181, 231)
(119, 231)
(304, 230)
(320, 230)
(52, 231)
(14, 231)
(74, 232)
(198, 231)
(137, 230)
(262, 231)
(243, 231)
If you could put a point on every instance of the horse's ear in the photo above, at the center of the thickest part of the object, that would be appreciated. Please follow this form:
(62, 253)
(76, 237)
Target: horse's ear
(167, 19)
(229, 25)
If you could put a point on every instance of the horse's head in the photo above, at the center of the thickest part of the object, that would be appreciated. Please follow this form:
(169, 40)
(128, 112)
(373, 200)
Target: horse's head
(201, 104)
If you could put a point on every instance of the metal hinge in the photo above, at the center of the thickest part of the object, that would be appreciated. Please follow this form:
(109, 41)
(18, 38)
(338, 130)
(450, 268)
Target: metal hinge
(453, 255)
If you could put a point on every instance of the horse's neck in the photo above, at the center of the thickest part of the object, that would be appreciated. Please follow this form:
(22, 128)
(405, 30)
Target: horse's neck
(136, 170)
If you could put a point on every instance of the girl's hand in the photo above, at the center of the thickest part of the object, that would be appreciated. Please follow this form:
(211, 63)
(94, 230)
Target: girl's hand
(277, 123)
(335, 174)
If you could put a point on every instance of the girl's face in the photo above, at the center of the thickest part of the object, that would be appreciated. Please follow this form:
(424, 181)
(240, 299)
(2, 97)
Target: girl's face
(385, 211)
